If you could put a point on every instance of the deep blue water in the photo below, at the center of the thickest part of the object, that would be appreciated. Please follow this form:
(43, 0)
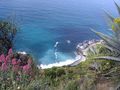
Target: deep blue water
(42, 23)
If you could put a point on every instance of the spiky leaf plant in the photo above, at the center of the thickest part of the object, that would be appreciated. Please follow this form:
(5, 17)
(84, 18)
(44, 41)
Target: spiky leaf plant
(112, 42)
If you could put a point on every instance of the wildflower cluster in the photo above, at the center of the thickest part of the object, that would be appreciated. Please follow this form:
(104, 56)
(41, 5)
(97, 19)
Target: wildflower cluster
(15, 69)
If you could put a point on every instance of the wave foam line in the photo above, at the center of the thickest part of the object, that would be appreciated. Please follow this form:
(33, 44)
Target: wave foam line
(57, 64)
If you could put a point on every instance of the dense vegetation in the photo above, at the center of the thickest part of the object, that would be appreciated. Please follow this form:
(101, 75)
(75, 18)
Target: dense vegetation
(19, 71)
(8, 31)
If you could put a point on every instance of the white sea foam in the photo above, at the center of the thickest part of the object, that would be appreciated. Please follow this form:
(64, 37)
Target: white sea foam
(21, 52)
(61, 63)
(55, 52)
(68, 41)
(78, 57)
(57, 64)
(56, 55)
(56, 44)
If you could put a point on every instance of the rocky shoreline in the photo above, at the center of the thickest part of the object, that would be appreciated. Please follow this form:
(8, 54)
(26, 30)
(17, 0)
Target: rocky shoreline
(82, 48)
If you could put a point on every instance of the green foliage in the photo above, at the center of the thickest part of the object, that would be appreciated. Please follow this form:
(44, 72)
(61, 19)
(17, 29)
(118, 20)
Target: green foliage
(8, 31)
(50, 73)
(112, 42)
(54, 72)
(72, 85)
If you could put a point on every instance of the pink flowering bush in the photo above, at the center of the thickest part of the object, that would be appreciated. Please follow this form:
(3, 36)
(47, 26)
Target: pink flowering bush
(16, 68)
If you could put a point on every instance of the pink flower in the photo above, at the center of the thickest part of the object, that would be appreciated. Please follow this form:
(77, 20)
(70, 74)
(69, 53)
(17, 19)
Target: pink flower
(7, 58)
(10, 51)
(2, 58)
(26, 69)
(18, 61)
(4, 67)
(14, 62)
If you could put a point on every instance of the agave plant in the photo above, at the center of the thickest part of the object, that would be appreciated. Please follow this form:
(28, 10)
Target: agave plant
(112, 42)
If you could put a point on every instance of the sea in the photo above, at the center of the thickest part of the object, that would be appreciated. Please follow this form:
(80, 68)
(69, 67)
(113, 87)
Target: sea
(50, 30)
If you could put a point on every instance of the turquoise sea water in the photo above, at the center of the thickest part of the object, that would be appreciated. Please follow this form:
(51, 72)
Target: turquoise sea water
(44, 22)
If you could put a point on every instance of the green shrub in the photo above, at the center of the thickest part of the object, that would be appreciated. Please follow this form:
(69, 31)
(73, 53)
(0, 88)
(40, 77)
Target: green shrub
(8, 31)
(73, 85)
(60, 72)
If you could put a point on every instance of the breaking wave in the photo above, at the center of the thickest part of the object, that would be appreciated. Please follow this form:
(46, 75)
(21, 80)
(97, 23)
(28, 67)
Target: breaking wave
(57, 64)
